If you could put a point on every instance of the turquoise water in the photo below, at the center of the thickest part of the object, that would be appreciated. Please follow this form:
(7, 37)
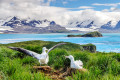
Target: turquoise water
(110, 42)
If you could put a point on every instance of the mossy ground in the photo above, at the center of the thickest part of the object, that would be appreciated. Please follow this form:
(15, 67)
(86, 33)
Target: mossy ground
(17, 66)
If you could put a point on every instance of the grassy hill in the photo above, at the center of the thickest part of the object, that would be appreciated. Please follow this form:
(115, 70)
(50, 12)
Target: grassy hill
(90, 34)
(18, 66)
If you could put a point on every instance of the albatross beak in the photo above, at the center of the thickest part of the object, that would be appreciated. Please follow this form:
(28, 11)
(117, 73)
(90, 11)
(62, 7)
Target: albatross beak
(66, 56)
(46, 50)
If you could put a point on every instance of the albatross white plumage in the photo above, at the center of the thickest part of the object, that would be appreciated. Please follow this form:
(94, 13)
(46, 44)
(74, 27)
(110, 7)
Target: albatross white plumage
(43, 58)
(78, 64)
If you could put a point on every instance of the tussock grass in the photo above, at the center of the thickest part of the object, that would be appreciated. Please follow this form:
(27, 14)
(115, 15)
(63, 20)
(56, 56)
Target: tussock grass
(18, 66)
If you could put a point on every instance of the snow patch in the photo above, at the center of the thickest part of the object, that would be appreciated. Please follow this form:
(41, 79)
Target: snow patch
(82, 29)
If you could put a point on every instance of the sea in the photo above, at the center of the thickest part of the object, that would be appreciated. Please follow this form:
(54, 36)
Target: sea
(110, 42)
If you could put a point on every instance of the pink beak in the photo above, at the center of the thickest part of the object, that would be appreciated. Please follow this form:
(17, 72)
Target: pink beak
(66, 56)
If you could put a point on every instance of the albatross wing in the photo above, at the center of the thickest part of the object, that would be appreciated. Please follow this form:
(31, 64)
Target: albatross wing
(55, 47)
(79, 62)
(28, 52)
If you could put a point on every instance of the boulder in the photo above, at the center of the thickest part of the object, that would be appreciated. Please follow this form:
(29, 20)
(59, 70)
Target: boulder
(89, 47)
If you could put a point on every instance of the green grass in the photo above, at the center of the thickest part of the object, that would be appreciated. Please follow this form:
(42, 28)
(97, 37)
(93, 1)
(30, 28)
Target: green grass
(18, 66)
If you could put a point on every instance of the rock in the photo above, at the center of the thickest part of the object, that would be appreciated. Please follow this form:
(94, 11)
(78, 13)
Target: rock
(91, 34)
(89, 47)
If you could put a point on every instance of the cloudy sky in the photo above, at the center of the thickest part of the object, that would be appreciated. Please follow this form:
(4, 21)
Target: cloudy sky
(83, 4)
(62, 11)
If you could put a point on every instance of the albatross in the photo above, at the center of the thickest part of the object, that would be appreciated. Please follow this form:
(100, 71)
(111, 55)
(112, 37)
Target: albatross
(43, 58)
(78, 64)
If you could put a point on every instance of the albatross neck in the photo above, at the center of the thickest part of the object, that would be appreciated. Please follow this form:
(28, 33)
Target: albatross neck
(43, 51)
(72, 59)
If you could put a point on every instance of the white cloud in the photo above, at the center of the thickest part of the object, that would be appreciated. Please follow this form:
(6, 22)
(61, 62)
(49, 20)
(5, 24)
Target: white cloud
(113, 7)
(27, 8)
(81, 7)
(85, 7)
(105, 10)
(40, 9)
(108, 4)
(27, 2)
(65, 2)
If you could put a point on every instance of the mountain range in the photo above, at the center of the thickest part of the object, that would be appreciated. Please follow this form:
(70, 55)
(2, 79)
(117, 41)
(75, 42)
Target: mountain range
(18, 25)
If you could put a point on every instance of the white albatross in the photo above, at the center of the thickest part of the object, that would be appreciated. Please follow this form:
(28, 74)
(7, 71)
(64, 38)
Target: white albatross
(43, 58)
(78, 64)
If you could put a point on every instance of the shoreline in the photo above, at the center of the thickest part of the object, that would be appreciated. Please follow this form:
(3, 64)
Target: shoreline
(109, 40)
(63, 33)
(58, 42)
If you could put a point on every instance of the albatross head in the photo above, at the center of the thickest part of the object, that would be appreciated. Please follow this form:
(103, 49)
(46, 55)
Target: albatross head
(70, 57)
(44, 49)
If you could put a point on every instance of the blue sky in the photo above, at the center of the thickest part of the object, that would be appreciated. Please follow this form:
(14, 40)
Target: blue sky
(78, 3)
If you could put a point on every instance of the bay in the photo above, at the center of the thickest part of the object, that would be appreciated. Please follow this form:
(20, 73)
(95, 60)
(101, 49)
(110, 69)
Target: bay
(110, 42)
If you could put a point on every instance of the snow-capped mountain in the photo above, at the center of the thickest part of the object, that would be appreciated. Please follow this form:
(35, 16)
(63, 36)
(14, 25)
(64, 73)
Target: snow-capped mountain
(117, 26)
(18, 25)
(15, 21)
(107, 26)
(84, 24)
(90, 25)
(4, 28)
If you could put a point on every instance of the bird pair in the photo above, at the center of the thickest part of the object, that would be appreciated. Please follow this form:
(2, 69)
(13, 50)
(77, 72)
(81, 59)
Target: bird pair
(43, 58)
